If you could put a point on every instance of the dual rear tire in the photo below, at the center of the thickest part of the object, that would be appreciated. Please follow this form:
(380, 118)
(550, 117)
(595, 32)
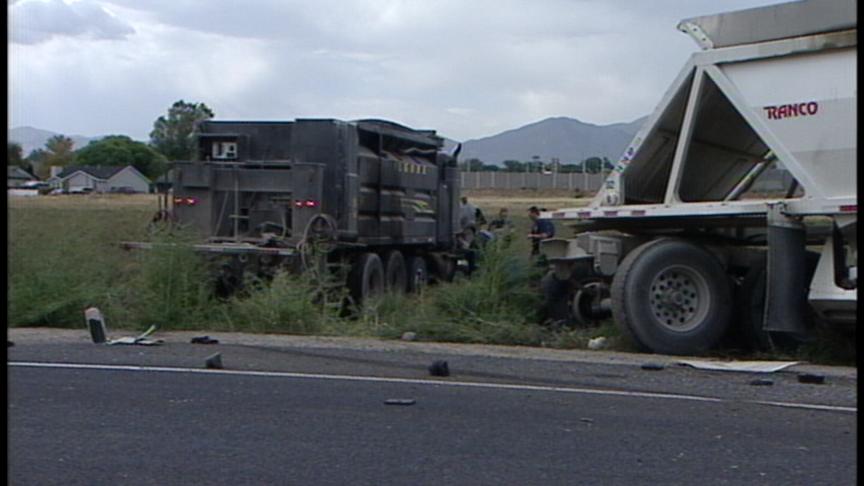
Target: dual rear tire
(672, 297)
(371, 276)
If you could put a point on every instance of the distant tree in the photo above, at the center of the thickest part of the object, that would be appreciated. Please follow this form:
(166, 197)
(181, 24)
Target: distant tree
(514, 166)
(491, 168)
(593, 165)
(174, 135)
(570, 168)
(15, 155)
(36, 160)
(120, 150)
(59, 151)
(473, 165)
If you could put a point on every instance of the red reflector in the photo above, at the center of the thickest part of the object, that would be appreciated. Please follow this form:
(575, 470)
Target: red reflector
(558, 215)
(298, 204)
(610, 213)
(849, 208)
(638, 212)
(584, 214)
(310, 203)
(185, 201)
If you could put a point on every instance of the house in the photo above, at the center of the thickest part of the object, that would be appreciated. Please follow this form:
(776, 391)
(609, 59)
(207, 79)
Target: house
(99, 179)
(16, 176)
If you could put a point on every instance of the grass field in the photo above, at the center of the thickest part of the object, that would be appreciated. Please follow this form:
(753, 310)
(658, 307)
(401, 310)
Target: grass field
(64, 255)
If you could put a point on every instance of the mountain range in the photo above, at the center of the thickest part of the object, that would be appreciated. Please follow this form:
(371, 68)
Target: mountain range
(31, 138)
(568, 139)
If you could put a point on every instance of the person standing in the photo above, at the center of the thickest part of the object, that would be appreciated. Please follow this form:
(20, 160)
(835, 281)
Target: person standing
(541, 229)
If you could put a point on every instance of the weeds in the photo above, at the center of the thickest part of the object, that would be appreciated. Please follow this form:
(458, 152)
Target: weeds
(62, 260)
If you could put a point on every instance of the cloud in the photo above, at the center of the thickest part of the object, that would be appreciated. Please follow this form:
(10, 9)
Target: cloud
(37, 21)
(467, 69)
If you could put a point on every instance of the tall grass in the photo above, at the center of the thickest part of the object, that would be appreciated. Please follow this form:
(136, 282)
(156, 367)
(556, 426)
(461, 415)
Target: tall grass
(62, 259)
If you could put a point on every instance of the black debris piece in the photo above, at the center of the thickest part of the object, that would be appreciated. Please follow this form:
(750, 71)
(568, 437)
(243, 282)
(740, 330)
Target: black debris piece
(400, 401)
(439, 368)
(96, 325)
(761, 382)
(214, 362)
(653, 366)
(811, 378)
(204, 340)
(10, 344)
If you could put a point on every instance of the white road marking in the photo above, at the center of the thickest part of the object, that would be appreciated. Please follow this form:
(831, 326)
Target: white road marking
(418, 381)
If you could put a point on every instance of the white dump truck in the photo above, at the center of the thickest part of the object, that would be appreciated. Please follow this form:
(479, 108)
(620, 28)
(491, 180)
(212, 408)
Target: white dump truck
(678, 245)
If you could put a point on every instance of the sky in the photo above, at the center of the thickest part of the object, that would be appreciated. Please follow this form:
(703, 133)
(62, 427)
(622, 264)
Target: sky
(466, 68)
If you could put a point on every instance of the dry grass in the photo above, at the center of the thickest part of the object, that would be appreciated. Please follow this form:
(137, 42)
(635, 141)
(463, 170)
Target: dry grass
(90, 201)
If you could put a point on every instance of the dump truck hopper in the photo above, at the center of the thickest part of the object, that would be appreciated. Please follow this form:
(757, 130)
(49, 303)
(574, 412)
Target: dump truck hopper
(772, 88)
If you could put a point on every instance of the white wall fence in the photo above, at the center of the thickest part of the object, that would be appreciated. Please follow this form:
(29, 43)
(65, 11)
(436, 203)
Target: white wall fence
(532, 180)
(771, 180)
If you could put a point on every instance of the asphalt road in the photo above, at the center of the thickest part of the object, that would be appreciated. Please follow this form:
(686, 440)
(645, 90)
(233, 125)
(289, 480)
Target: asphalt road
(286, 412)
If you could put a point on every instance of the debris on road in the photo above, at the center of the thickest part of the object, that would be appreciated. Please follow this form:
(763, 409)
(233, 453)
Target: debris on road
(204, 340)
(811, 378)
(140, 340)
(439, 368)
(10, 344)
(746, 366)
(653, 366)
(587, 420)
(214, 362)
(597, 343)
(96, 324)
(409, 336)
(762, 382)
(400, 401)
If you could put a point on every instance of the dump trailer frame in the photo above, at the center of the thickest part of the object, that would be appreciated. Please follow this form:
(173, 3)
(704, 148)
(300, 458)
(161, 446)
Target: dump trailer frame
(368, 204)
(675, 246)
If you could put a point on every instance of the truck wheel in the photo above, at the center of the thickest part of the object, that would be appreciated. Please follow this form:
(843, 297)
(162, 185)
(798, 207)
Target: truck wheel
(418, 273)
(556, 299)
(366, 278)
(672, 297)
(394, 271)
(444, 268)
(586, 304)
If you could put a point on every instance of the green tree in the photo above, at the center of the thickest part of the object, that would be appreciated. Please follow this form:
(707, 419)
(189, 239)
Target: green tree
(120, 150)
(60, 151)
(593, 164)
(472, 165)
(174, 135)
(514, 166)
(15, 155)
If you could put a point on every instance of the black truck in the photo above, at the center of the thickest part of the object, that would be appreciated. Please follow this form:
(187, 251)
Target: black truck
(377, 199)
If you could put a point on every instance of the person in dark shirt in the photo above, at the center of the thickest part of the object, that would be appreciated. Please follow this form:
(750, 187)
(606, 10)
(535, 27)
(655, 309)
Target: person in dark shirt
(541, 229)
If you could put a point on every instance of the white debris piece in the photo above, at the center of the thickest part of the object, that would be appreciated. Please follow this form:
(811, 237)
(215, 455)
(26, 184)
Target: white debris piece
(746, 366)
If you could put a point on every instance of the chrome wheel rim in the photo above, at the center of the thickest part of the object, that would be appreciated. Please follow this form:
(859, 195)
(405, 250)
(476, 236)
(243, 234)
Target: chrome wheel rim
(679, 298)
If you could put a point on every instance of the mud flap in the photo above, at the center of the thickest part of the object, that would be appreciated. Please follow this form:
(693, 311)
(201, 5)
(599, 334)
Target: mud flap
(786, 292)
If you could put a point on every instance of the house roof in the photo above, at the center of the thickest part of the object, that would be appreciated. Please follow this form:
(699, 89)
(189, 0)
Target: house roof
(16, 172)
(99, 172)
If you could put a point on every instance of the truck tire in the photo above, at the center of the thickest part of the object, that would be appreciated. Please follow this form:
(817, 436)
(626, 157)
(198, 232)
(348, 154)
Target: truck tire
(418, 273)
(556, 299)
(366, 278)
(444, 268)
(672, 297)
(395, 276)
